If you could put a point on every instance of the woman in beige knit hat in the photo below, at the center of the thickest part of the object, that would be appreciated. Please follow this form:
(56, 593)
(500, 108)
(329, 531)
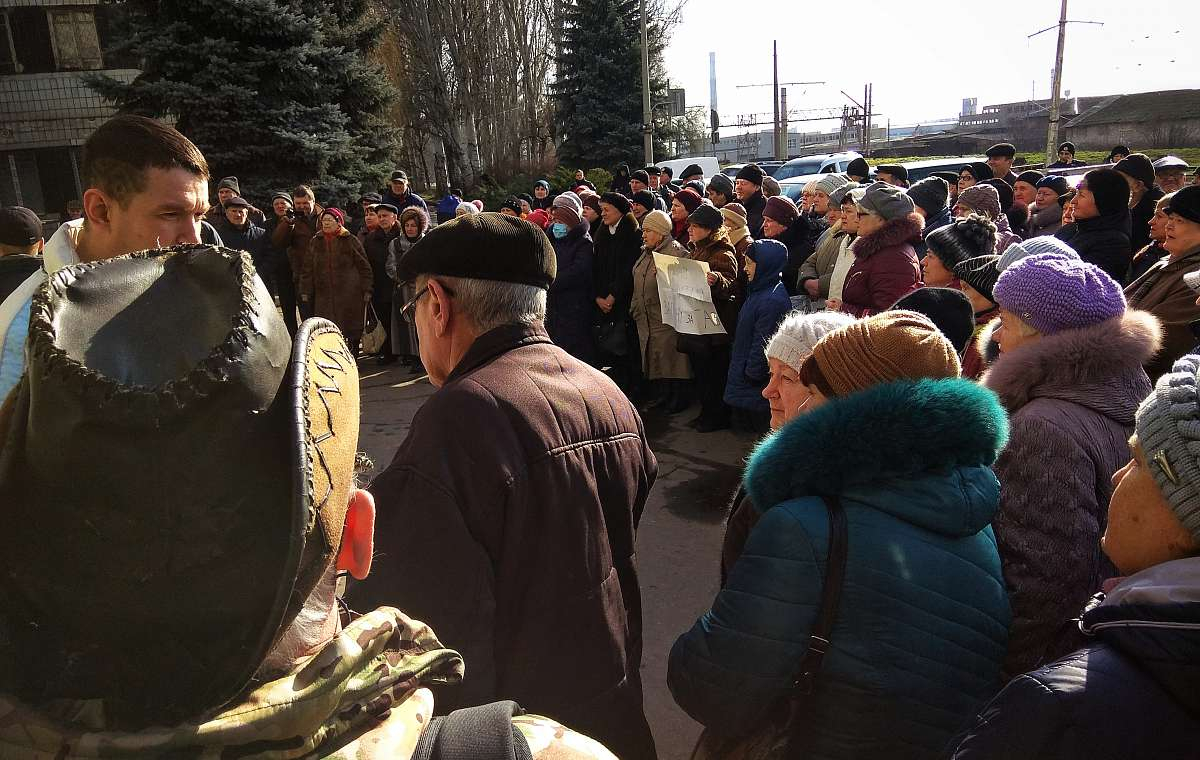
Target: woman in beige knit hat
(663, 365)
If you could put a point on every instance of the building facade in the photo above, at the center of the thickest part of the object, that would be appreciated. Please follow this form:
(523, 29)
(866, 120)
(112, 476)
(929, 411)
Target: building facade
(46, 110)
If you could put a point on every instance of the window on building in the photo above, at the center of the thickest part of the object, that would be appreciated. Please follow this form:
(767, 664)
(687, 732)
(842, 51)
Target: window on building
(29, 31)
(76, 45)
(8, 57)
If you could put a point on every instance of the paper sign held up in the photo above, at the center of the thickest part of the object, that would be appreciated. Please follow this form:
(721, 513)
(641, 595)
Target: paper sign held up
(685, 296)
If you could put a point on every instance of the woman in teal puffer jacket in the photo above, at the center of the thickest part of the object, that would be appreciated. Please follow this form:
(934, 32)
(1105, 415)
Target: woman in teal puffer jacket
(922, 624)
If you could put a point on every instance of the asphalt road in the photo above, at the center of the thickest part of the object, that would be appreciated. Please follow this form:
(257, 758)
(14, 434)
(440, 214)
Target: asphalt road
(679, 539)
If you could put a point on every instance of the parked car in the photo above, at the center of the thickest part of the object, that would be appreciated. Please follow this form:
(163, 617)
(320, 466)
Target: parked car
(819, 164)
(919, 170)
(770, 167)
(708, 164)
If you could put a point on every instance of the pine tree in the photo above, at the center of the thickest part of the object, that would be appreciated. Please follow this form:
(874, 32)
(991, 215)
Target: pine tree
(598, 91)
(275, 92)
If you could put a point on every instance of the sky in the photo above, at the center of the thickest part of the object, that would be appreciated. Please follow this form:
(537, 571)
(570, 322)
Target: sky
(924, 56)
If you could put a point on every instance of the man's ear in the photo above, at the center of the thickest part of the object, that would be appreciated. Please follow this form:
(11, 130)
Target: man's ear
(439, 311)
(97, 208)
(358, 535)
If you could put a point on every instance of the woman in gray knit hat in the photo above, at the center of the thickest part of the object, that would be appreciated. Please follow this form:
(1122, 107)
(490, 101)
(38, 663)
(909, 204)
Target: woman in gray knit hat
(1144, 628)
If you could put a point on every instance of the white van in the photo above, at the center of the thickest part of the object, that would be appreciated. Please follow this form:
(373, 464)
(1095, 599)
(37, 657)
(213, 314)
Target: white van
(708, 164)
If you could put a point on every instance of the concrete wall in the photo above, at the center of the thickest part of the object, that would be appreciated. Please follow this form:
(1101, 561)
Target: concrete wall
(1173, 133)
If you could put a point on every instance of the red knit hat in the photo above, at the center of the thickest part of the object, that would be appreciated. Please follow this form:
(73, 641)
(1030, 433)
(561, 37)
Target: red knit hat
(689, 199)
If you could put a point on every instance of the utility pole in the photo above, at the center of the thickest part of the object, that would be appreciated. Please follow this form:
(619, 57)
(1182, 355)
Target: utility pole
(780, 119)
(1056, 83)
(775, 92)
(647, 118)
(783, 124)
(1055, 88)
(867, 120)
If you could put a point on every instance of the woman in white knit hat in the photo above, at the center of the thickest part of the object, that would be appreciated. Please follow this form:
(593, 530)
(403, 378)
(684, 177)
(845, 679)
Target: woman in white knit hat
(786, 351)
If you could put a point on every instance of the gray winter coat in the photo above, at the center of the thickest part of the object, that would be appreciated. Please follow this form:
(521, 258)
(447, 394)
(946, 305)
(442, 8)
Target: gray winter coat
(1071, 399)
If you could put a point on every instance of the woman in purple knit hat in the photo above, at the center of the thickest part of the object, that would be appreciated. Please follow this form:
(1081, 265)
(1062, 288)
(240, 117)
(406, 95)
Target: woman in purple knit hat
(1070, 375)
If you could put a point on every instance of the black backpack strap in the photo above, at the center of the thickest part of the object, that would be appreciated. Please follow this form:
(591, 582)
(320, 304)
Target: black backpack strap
(822, 628)
(485, 732)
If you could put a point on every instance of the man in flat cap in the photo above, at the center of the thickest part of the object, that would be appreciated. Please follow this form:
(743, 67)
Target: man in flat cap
(1170, 173)
(1000, 158)
(508, 517)
(176, 596)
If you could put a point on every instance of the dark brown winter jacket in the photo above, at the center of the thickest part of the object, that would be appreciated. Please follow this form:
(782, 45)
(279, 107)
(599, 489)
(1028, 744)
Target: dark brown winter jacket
(293, 236)
(1071, 399)
(1162, 292)
(885, 267)
(507, 523)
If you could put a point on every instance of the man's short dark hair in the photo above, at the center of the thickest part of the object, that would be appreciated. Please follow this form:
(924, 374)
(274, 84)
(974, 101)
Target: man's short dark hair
(117, 155)
(668, 171)
(304, 191)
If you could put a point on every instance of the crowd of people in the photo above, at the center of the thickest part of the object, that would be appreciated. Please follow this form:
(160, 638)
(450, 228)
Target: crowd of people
(971, 528)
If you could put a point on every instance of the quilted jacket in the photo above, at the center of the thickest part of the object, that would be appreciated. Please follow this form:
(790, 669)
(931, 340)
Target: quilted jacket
(1071, 397)
(923, 619)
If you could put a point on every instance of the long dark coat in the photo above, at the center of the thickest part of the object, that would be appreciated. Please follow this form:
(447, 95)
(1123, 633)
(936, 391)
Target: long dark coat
(507, 522)
(339, 277)
(570, 305)
(612, 267)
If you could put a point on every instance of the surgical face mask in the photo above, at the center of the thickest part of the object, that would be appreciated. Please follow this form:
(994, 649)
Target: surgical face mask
(559, 229)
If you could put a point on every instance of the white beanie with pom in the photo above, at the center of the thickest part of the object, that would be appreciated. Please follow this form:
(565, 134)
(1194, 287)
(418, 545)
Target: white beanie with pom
(798, 333)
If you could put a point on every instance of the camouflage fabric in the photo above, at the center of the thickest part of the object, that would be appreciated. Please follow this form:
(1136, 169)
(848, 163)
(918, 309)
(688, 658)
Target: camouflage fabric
(362, 697)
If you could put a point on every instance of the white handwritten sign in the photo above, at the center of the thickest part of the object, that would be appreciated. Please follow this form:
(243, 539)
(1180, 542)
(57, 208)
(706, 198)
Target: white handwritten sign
(685, 296)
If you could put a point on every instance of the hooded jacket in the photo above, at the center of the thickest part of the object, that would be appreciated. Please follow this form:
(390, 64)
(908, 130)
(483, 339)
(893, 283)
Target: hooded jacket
(1133, 693)
(1103, 241)
(923, 617)
(569, 304)
(766, 303)
(885, 267)
(1071, 399)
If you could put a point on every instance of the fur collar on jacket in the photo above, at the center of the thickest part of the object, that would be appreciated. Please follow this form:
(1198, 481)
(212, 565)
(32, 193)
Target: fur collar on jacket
(1099, 367)
(893, 431)
(894, 232)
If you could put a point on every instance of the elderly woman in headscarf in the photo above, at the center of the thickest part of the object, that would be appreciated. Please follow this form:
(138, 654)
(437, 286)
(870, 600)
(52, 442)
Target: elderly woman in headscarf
(338, 275)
